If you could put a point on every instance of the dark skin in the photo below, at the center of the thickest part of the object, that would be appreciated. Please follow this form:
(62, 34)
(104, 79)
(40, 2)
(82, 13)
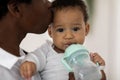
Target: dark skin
(103, 76)
(71, 76)
(21, 19)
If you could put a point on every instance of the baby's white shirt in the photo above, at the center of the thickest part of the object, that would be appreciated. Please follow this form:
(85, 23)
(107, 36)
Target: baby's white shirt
(48, 62)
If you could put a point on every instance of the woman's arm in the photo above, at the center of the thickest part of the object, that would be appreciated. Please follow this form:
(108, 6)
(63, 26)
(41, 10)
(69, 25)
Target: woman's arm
(71, 76)
(103, 75)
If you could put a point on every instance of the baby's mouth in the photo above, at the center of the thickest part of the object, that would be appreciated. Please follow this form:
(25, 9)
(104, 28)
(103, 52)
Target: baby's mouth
(68, 44)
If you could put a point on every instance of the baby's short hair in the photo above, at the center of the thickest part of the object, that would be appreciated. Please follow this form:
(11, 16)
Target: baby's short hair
(60, 4)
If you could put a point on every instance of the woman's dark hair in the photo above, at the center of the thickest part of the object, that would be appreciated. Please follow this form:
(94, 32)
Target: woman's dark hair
(4, 3)
(60, 4)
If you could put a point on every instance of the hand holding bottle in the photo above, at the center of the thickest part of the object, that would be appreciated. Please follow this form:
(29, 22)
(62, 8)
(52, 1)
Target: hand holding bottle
(77, 60)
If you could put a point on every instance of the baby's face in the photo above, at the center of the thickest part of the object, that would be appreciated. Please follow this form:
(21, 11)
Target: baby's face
(68, 28)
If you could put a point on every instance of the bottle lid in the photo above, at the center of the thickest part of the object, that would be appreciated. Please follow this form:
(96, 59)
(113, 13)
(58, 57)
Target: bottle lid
(74, 48)
(71, 50)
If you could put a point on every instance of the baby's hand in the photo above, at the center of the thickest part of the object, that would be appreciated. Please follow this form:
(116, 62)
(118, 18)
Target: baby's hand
(27, 70)
(96, 58)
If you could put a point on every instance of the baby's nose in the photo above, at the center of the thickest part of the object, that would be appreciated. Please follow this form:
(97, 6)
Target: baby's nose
(69, 35)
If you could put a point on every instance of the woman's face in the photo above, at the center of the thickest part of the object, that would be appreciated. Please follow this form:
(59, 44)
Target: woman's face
(35, 16)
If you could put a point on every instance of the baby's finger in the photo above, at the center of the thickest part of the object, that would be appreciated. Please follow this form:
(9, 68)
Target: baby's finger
(28, 79)
(91, 56)
(22, 71)
(25, 71)
(29, 72)
(33, 69)
(98, 59)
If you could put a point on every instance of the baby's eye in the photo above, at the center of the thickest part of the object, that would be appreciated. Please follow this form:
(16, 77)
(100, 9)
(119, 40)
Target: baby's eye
(60, 30)
(76, 28)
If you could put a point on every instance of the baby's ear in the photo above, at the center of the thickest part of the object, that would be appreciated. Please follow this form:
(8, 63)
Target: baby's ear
(87, 28)
(50, 30)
